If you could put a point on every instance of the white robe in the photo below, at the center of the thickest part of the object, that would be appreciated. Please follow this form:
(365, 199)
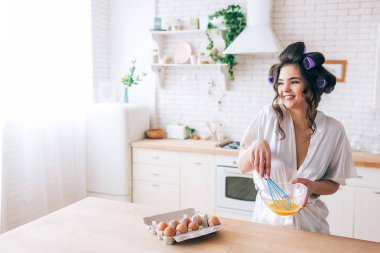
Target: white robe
(328, 157)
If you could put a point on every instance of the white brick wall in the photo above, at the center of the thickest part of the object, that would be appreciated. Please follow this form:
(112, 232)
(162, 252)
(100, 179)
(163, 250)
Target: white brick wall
(340, 29)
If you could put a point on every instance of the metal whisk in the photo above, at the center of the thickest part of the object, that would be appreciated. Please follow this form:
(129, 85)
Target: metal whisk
(278, 195)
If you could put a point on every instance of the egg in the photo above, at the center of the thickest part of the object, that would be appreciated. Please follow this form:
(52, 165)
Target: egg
(193, 226)
(214, 221)
(174, 223)
(162, 226)
(169, 232)
(181, 228)
(197, 219)
(186, 221)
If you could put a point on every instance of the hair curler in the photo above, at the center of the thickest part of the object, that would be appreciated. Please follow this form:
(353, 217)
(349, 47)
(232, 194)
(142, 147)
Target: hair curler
(271, 79)
(313, 60)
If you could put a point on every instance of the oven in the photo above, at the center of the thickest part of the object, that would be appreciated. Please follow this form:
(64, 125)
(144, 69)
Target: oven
(235, 191)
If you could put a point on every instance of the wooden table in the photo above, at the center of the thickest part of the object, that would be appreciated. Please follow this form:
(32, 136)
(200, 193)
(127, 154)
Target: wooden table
(99, 225)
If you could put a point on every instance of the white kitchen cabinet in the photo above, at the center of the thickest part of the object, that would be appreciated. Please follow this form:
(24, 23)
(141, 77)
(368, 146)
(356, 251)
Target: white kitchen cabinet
(198, 182)
(354, 209)
(174, 179)
(156, 177)
(367, 220)
(341, 207)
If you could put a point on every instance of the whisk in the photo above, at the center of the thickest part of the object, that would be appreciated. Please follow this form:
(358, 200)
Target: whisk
(279, 197)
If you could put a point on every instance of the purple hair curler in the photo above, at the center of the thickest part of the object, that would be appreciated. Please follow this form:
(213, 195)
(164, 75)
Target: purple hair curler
(271, 79)
(308, 62)
(313, 60)
(321, 82)
(328, 89)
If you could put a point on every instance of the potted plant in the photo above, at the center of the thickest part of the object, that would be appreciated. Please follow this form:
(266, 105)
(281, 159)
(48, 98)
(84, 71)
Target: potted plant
(232, 21)
(130, 79)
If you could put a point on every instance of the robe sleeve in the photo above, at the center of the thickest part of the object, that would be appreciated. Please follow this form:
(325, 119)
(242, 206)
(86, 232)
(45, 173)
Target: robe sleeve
(341, 166)
(253, 132)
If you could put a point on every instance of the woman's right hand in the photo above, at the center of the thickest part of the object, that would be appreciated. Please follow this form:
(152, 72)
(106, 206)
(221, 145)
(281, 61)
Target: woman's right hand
(260, 157)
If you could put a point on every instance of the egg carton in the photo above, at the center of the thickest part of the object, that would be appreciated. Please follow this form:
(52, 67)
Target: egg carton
(152, 222)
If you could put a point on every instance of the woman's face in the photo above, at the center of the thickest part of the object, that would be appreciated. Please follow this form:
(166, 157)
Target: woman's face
(291, 87)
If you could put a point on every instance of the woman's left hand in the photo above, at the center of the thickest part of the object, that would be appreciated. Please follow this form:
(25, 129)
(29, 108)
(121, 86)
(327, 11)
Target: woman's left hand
(310, 185)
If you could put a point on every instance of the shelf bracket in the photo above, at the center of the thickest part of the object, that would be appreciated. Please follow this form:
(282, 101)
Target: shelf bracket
(224, 71)
(159, 71)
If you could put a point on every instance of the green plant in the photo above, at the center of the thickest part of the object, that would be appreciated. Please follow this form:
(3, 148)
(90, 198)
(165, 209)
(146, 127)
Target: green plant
(190, 132)
(235, 23)
(132, 78)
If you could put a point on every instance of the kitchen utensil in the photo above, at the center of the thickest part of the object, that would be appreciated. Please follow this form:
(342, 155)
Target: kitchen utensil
(295, 196)
(181, 53)
(279, 197)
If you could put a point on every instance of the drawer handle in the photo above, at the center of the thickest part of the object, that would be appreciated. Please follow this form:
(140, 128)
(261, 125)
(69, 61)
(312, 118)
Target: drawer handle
(378, 193)
(155, 157)
(155, 185)
(155, 174)
(198, 163)
(359, 177)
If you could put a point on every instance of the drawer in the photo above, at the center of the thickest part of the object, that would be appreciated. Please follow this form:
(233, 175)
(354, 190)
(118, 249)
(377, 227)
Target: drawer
(191, 160)
(156, 173)
(155, 157)
(367, 177)
(156, 194)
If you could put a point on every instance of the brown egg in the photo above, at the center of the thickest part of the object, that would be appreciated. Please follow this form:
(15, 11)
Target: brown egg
(214, 221)
(186, 221)
(162, 226)
(169, 232)
(193, 226)
(174, 223)
(197, 219)
(181, 228)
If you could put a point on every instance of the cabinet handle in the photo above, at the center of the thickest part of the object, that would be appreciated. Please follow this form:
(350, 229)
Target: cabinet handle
(155, 157)
(155, 185)
(198, 163)
(378, 193)
(155, 174)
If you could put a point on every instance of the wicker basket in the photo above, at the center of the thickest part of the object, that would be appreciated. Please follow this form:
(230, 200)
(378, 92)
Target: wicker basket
(158, 133)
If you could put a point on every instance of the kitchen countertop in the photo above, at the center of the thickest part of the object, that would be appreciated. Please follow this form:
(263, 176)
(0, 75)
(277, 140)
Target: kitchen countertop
(364, 159)
(100, 225)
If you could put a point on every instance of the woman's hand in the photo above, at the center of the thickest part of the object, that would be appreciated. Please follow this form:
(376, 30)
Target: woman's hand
(310, 185)
(260, 156)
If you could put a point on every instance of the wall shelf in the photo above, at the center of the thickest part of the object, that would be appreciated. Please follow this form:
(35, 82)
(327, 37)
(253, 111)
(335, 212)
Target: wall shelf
(159, 70)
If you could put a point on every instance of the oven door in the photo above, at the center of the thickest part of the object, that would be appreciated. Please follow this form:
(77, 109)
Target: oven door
(234, 189)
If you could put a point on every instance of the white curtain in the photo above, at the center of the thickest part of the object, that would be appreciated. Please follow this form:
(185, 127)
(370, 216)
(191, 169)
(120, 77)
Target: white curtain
(47, 86)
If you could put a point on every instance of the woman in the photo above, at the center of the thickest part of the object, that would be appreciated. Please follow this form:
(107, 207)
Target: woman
(290, 141)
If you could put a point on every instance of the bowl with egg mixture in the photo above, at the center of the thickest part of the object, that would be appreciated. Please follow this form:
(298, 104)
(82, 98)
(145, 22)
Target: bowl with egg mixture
(284, 207)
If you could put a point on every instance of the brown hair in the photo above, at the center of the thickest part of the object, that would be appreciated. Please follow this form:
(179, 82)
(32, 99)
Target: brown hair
(294, 54)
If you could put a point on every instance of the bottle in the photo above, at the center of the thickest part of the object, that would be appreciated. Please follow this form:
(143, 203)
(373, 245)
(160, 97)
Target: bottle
(155, 56)
(220, 132)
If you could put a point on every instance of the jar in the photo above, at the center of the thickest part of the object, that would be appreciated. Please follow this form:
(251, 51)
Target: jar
(155, 56)
(202, 58)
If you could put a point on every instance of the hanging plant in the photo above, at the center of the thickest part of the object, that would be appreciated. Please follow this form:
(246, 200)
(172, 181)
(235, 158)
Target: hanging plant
(234, 22)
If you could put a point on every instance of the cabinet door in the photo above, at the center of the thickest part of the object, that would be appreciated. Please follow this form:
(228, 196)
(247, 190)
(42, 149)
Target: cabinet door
(156, 194)
(198, 182)
(341, 207)
(367, 222)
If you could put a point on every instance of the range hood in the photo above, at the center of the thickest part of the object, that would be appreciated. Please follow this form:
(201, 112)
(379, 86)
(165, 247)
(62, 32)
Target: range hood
(258, 36)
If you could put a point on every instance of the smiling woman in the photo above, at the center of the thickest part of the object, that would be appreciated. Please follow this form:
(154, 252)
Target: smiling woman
(48, 79)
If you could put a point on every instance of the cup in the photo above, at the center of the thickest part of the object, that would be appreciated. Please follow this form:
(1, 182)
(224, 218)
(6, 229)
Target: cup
(193, 59)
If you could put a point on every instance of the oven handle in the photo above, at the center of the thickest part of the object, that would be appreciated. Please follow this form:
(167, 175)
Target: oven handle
(234, 173)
